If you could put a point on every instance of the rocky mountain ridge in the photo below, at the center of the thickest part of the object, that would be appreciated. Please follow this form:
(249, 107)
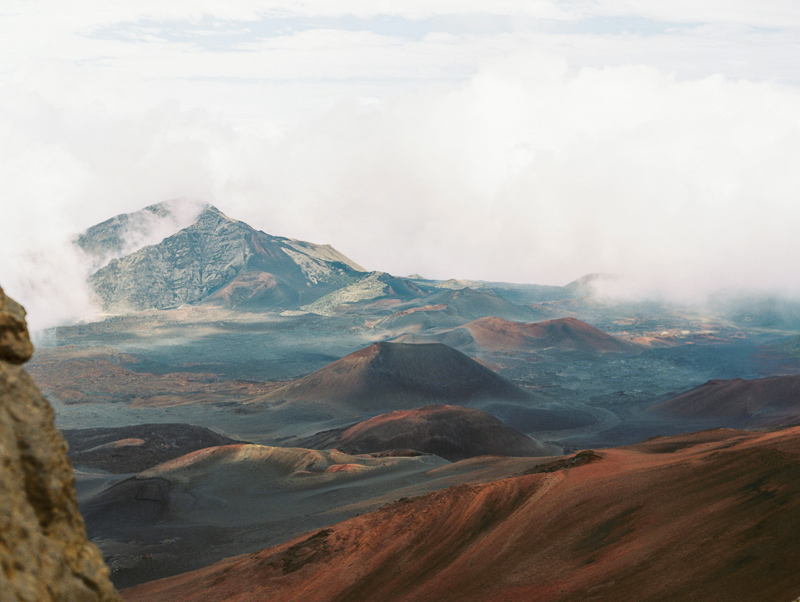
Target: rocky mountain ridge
(219, 259)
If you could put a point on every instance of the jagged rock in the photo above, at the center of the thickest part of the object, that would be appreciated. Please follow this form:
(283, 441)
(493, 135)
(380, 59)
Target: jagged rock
(44, 553)
(15, 345)
(220, 260)
(126, 233)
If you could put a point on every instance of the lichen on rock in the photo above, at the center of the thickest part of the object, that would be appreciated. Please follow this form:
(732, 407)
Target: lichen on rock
(44, 553)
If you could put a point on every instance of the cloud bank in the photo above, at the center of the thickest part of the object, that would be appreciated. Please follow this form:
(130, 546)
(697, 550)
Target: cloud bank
(513, 155)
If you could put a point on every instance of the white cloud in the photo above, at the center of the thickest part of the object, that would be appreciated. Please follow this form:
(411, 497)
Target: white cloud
(753, 13)
(523, 154)
(685, 185)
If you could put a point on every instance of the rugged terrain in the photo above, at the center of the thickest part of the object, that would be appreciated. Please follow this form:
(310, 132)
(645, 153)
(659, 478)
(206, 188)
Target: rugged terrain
(222, 501)
(217, 259)
(212, 324)
(703, 517)
(450, 308)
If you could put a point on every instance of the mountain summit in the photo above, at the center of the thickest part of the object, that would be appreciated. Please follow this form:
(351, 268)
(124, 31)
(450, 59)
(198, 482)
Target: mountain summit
(392, 376)
(214, 259)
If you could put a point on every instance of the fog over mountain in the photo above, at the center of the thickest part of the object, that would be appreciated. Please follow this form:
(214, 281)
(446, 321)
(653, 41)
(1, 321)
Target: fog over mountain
(497, 141)
(404, 300)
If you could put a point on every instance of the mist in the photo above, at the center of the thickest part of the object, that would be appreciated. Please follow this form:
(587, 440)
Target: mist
(535, 168)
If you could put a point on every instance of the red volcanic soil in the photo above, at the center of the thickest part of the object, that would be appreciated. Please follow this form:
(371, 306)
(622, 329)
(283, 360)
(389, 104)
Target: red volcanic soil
(770, 401)
(496, 334)
(705, 517)
(389, 376)
(450, 432)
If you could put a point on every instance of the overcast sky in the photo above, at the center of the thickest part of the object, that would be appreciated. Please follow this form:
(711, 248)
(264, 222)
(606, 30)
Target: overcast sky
(517, 140)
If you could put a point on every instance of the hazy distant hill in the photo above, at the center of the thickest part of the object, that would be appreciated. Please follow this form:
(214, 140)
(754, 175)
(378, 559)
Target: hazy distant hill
(565, 334)
(473, 304)
(771, 311)
(216, 259)
(390, 376)
(790, 346)
(769, 401)
(588, 284)
(450, 308)
(370, 287)
(522, 294)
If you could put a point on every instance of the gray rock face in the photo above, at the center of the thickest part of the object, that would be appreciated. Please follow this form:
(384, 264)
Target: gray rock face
(109, 237)
(44, 553)
(221, 260)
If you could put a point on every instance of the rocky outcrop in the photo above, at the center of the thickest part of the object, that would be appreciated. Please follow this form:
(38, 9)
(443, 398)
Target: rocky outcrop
(44, 553)
(126, 233)
(15, 345)
(371, 287)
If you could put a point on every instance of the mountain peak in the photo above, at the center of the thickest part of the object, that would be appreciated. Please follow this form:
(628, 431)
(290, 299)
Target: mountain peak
(126, 233)
(183, 252)
(397, 376)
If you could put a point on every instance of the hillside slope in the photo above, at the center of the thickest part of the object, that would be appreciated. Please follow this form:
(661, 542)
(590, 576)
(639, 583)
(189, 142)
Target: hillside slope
(565, 334)
(769, 401)
(704, 517)
(451, 432)
(393, 376)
